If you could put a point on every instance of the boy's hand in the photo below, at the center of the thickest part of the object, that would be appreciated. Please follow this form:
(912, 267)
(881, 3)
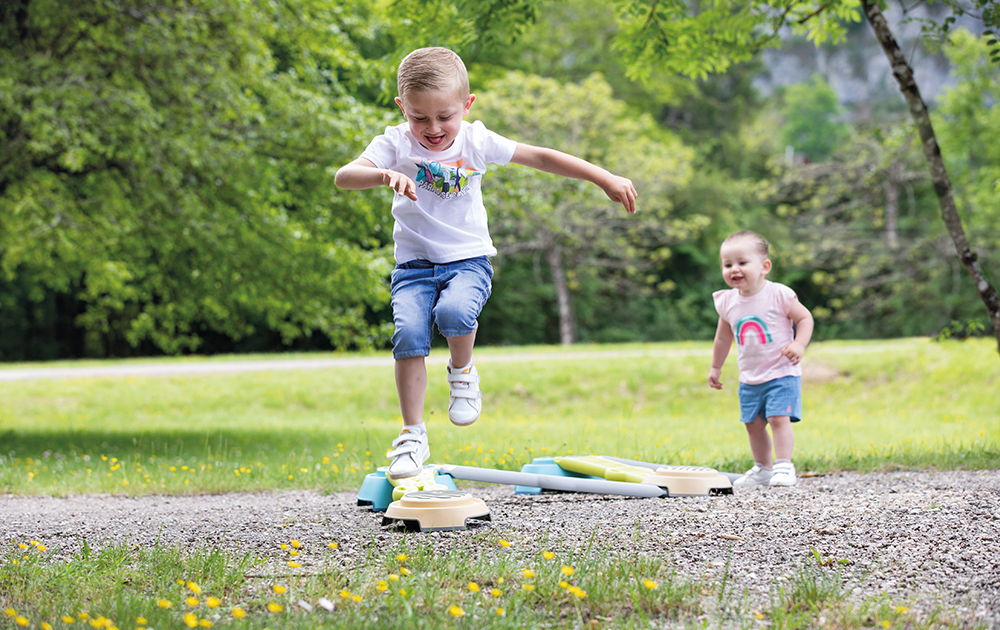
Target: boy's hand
(620, 189)
(793, 352)
(402, 184)
(713, 378)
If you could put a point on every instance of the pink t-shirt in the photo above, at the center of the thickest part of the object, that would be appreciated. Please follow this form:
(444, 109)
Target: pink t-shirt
(762, 328)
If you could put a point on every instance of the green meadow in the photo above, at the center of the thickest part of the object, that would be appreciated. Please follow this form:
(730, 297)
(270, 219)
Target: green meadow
(887, 405)
(869, 406)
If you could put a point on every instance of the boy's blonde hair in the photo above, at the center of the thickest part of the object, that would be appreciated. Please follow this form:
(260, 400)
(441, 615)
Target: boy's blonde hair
(433, 69)
(758, 241)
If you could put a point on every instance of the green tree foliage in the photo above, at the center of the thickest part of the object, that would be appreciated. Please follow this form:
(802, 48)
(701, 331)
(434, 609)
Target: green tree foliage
(968, 118)
(811, 127)
(584, 239)
(168, 164)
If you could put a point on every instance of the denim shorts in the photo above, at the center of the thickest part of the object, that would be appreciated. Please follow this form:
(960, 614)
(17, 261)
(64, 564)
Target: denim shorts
(449, 295)
(780, 397)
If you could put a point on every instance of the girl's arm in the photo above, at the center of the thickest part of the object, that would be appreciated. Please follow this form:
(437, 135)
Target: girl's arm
(720, 350)
(616, 188)
(362, 174)
(804, 325)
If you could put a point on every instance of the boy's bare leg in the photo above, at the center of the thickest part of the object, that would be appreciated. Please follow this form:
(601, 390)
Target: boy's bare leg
(783, 436)
(461, 349)
(760, 441)
(411, 385)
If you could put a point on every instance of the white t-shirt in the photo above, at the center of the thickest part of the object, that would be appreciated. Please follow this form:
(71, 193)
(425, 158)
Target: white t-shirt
(447, 222)
(762, 328)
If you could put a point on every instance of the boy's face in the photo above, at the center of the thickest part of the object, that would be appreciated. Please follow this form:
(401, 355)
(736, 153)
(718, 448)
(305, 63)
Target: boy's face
(743, 266)
(435, 117)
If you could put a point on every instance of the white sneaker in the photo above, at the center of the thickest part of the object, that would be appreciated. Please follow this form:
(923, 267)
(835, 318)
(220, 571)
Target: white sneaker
(466, 401)
(756, 476)
(784, 474)
(409, 452)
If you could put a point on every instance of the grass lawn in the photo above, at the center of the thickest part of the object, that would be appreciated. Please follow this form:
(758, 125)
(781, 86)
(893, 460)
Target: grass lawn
(910, 403)
(869, 406)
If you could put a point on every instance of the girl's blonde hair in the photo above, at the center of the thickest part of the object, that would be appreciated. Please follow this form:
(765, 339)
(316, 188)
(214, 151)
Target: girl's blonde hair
(432, 69)
(759, 242)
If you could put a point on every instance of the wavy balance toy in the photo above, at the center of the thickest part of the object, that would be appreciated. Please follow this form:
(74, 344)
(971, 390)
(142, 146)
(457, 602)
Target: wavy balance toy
(679, 481)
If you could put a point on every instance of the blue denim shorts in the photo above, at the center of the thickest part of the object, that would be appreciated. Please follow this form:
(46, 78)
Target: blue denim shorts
(449, 295)
(780, 397)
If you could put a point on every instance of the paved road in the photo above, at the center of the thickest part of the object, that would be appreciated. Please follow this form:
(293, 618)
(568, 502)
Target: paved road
(187, 368)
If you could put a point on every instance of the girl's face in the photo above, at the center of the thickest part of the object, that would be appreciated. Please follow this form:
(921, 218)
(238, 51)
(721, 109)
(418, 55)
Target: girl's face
(744, 267)
(435, 117)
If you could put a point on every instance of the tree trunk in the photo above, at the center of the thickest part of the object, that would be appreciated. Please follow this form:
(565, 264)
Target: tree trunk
(567, 323)
(939, 175)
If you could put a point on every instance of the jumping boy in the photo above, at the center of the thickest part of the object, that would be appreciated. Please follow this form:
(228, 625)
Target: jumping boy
(435, 162)
(759, 314)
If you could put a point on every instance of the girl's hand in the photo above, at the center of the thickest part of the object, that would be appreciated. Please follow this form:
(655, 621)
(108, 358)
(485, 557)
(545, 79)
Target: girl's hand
(620, 189)
(402, 184)
(713, 378)
(793, 352)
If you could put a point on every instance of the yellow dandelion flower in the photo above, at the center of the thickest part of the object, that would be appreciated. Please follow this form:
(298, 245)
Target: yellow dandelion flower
(528, 587)
(404, 570)
(345, 594)
(10, 612)
(563, 584)
(886, 624)
(275, 608)
(402, 592)
(528, 573)
(238, 612)
(357, 599)
(194, 588)
(204, 623)
(295, 543)
(548, 555)
(284, 545)
(22, 546)
(579, 592)
(759, 615)
(83, 616)
(68, 619)
(567, 570)
(279, 589)
(455, 611)
(902, 609)
(393, 577)
(21, 620)
(41, 548)
(650, 584)
(496, 592)
(141, 621)
(382, 586)
(100, 622)
(191, 600)
(181, 582)
(504, 543)
(473, 587)
(294, 565)
(333, 545)
(401, 557)
(212, 602)
(163, 603)
(500, 612)
(191, 620)
(45, 625)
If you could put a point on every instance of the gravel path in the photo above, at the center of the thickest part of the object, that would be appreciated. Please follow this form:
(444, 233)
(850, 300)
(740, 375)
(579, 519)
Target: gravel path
(923, 539)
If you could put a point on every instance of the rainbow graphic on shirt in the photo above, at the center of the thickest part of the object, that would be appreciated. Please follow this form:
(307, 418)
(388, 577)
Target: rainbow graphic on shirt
(445, 179)
(751, 325)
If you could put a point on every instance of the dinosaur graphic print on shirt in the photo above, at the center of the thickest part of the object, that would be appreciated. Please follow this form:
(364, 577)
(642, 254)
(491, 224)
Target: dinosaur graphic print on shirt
(447, 180)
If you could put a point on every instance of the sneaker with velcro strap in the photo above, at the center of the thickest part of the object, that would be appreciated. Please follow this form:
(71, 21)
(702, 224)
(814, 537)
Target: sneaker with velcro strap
(466, 402)
(409, 452)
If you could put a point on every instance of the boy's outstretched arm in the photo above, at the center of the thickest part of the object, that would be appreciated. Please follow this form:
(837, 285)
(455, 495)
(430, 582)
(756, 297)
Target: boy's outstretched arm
(804, 325)
(720, 350)
(616, 188)
(362, 174)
